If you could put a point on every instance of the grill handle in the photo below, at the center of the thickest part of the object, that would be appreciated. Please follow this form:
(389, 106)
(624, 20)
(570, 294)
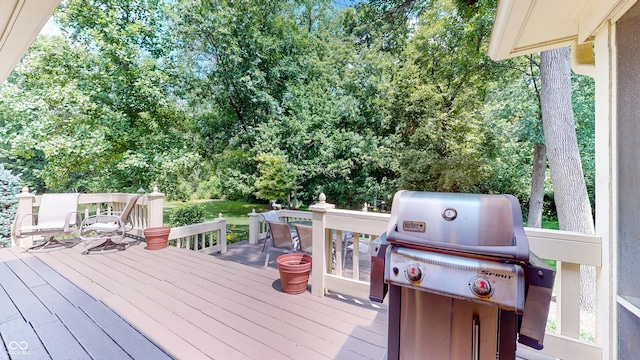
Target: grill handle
(519, 252)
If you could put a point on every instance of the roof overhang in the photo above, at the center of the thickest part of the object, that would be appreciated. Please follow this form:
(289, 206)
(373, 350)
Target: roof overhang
(523, 27)
(20, 23)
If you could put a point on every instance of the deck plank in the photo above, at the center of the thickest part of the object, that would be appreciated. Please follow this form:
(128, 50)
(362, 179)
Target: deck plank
(27, 303)
(91, 337)
(166, 295)
(21, 340)
(3, 353)
(353, 315)
(29, 277)
(331, 328)
(242, 315)
(126, 287)
(229, 327)
(163, 307)
(59, 342)
(132, 341)
(9, 310)
(197, 306)
(152, 329)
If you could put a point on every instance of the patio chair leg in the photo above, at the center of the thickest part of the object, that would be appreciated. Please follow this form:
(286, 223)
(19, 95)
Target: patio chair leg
(52, 244)
(107, 246)
(266, 260)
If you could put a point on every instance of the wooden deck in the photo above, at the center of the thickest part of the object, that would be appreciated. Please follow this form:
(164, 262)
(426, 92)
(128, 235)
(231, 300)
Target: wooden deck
(192, 306)
(176, 303)
(251, 255)
(44, 315)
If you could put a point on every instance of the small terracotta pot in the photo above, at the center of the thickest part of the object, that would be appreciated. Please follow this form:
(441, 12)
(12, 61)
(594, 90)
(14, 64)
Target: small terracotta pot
(294, 272)
(157, 237)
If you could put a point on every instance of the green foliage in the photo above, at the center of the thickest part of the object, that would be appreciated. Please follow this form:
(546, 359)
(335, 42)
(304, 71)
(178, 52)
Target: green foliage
(254, 98)
(438, 97)
(277, 178)
(186, 214)
(9, 188)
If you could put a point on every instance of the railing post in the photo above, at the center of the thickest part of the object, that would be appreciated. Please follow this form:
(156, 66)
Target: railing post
(223, 234)
(319, 248)
(25, 206)
(254, 227)
(155, 207)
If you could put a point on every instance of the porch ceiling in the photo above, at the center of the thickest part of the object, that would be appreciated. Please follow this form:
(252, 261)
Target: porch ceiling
(20, 23)
(526, 26)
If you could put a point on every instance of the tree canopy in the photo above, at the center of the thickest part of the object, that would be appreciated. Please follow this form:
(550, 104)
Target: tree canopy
(263, 99)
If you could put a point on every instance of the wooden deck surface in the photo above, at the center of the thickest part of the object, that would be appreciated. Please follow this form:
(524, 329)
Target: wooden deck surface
(192, 306)
(175, 303)
(251, 255)
(43, 315)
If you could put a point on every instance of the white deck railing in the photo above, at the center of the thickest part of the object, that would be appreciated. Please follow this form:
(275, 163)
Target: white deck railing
(569, 250)
(207, 237)
(147, 212)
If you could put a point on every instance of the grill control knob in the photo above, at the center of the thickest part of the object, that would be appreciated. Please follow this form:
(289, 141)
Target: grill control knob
(481, 287)
(414, 274)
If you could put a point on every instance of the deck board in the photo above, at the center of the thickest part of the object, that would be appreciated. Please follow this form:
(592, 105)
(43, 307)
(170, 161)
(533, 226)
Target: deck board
(138, 295)
(91, 337)
(198, 306)
(27, 303)
(237, 319)
(191, 305)
(60, 343)
(21, 340)
(44, 315)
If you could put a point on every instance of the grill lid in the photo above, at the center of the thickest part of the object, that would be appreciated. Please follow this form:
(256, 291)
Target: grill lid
(487, 225)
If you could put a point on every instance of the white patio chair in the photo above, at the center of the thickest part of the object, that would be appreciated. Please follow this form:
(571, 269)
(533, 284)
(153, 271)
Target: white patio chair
(57, 215)
(107, 228)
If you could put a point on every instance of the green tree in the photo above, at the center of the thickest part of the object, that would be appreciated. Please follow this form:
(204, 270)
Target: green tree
(440, 91)
(104, 114)
(240, 55)
(276, 179)
(332, 126)
(9, 188)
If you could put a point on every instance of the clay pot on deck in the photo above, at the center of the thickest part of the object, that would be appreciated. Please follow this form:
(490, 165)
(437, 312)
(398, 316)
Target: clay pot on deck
(157, 237)
(294, 272)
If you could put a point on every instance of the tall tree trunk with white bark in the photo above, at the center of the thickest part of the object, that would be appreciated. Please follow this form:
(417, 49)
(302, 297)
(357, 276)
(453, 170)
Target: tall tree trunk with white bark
(570, 191)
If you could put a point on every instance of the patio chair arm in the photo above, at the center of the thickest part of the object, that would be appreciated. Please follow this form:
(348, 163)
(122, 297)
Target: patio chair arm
(100, 218)
(19, 224)
(68, 220)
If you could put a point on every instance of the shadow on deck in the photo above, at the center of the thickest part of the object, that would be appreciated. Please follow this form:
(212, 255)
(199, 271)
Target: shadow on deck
(251, 255)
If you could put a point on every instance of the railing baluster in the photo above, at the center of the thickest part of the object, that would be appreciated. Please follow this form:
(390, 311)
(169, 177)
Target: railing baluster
(568, 299)
(355, 256)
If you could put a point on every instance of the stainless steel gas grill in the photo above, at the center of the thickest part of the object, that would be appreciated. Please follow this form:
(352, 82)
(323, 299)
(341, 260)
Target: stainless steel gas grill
(462, 283)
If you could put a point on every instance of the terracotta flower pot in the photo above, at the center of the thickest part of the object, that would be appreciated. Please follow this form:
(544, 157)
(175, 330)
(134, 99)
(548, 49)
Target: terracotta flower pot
(294, 272)
(157, 238)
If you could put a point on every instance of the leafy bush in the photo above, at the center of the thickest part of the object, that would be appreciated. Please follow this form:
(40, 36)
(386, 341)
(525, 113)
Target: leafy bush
(186, 214)
(9, 188)
(209, 189)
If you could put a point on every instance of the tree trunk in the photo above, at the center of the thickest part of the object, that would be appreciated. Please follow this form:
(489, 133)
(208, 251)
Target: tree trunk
(536, 201)
(570, 191)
